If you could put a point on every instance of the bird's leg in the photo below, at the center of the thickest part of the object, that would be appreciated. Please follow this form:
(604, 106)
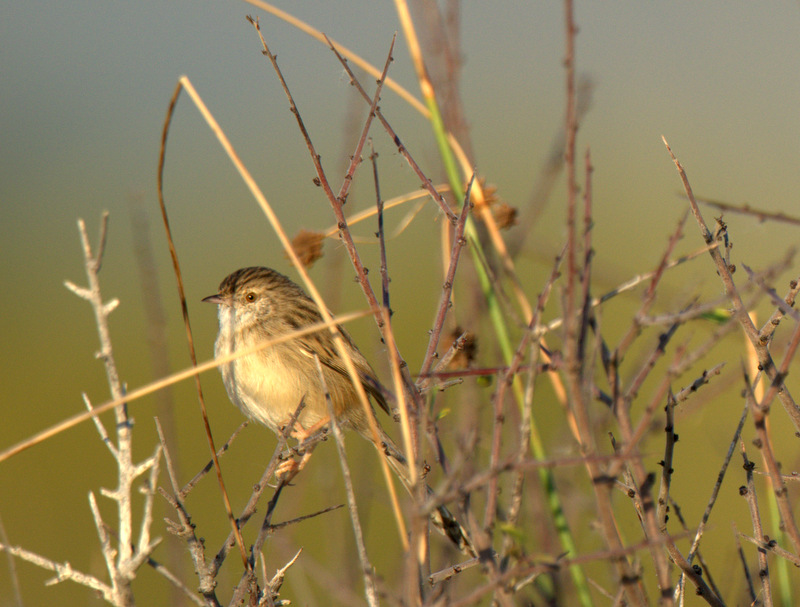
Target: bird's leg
(303, 434)
(290, 468)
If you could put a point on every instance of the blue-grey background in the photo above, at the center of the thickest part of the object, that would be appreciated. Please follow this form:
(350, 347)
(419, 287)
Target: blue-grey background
(85, 88)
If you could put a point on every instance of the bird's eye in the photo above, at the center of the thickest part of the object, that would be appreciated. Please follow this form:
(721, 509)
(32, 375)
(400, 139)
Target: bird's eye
(250, 297)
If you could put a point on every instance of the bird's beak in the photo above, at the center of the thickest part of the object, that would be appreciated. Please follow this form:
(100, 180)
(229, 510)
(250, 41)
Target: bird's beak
(216, 299)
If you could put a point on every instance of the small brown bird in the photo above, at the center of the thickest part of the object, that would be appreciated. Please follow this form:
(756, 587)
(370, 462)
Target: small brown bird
(255, 304)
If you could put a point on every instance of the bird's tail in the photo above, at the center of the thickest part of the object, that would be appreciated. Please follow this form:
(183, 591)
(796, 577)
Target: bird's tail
(441, 518)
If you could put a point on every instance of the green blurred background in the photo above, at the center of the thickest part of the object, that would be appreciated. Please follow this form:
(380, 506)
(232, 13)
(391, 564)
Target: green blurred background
(85, 88)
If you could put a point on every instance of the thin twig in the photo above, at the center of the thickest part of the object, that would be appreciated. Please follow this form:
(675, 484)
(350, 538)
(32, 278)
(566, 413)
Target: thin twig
(666, 464)
(759, 412)
(740, 312)
(122, 554)
(717, 486)
(766, 331)
(366, 566)
(426, 182)
(748, 491)
(64, 571)
(12, 566)
(380, 233)
(447, 287)
(745, 209)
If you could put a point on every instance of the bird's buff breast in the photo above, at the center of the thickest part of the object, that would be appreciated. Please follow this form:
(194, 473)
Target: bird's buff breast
(266, 385)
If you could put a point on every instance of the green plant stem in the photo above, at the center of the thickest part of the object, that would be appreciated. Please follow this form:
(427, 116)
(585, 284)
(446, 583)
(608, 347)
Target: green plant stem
(546, 475)
(781, 565)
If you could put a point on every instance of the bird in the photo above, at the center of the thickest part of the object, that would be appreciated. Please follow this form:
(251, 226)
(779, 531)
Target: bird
(255, 304)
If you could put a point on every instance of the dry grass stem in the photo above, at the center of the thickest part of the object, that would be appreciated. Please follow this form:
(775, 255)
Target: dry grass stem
(366, 566)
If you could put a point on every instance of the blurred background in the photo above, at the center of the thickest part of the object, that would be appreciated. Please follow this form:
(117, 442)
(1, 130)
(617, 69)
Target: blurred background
(85, 90)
